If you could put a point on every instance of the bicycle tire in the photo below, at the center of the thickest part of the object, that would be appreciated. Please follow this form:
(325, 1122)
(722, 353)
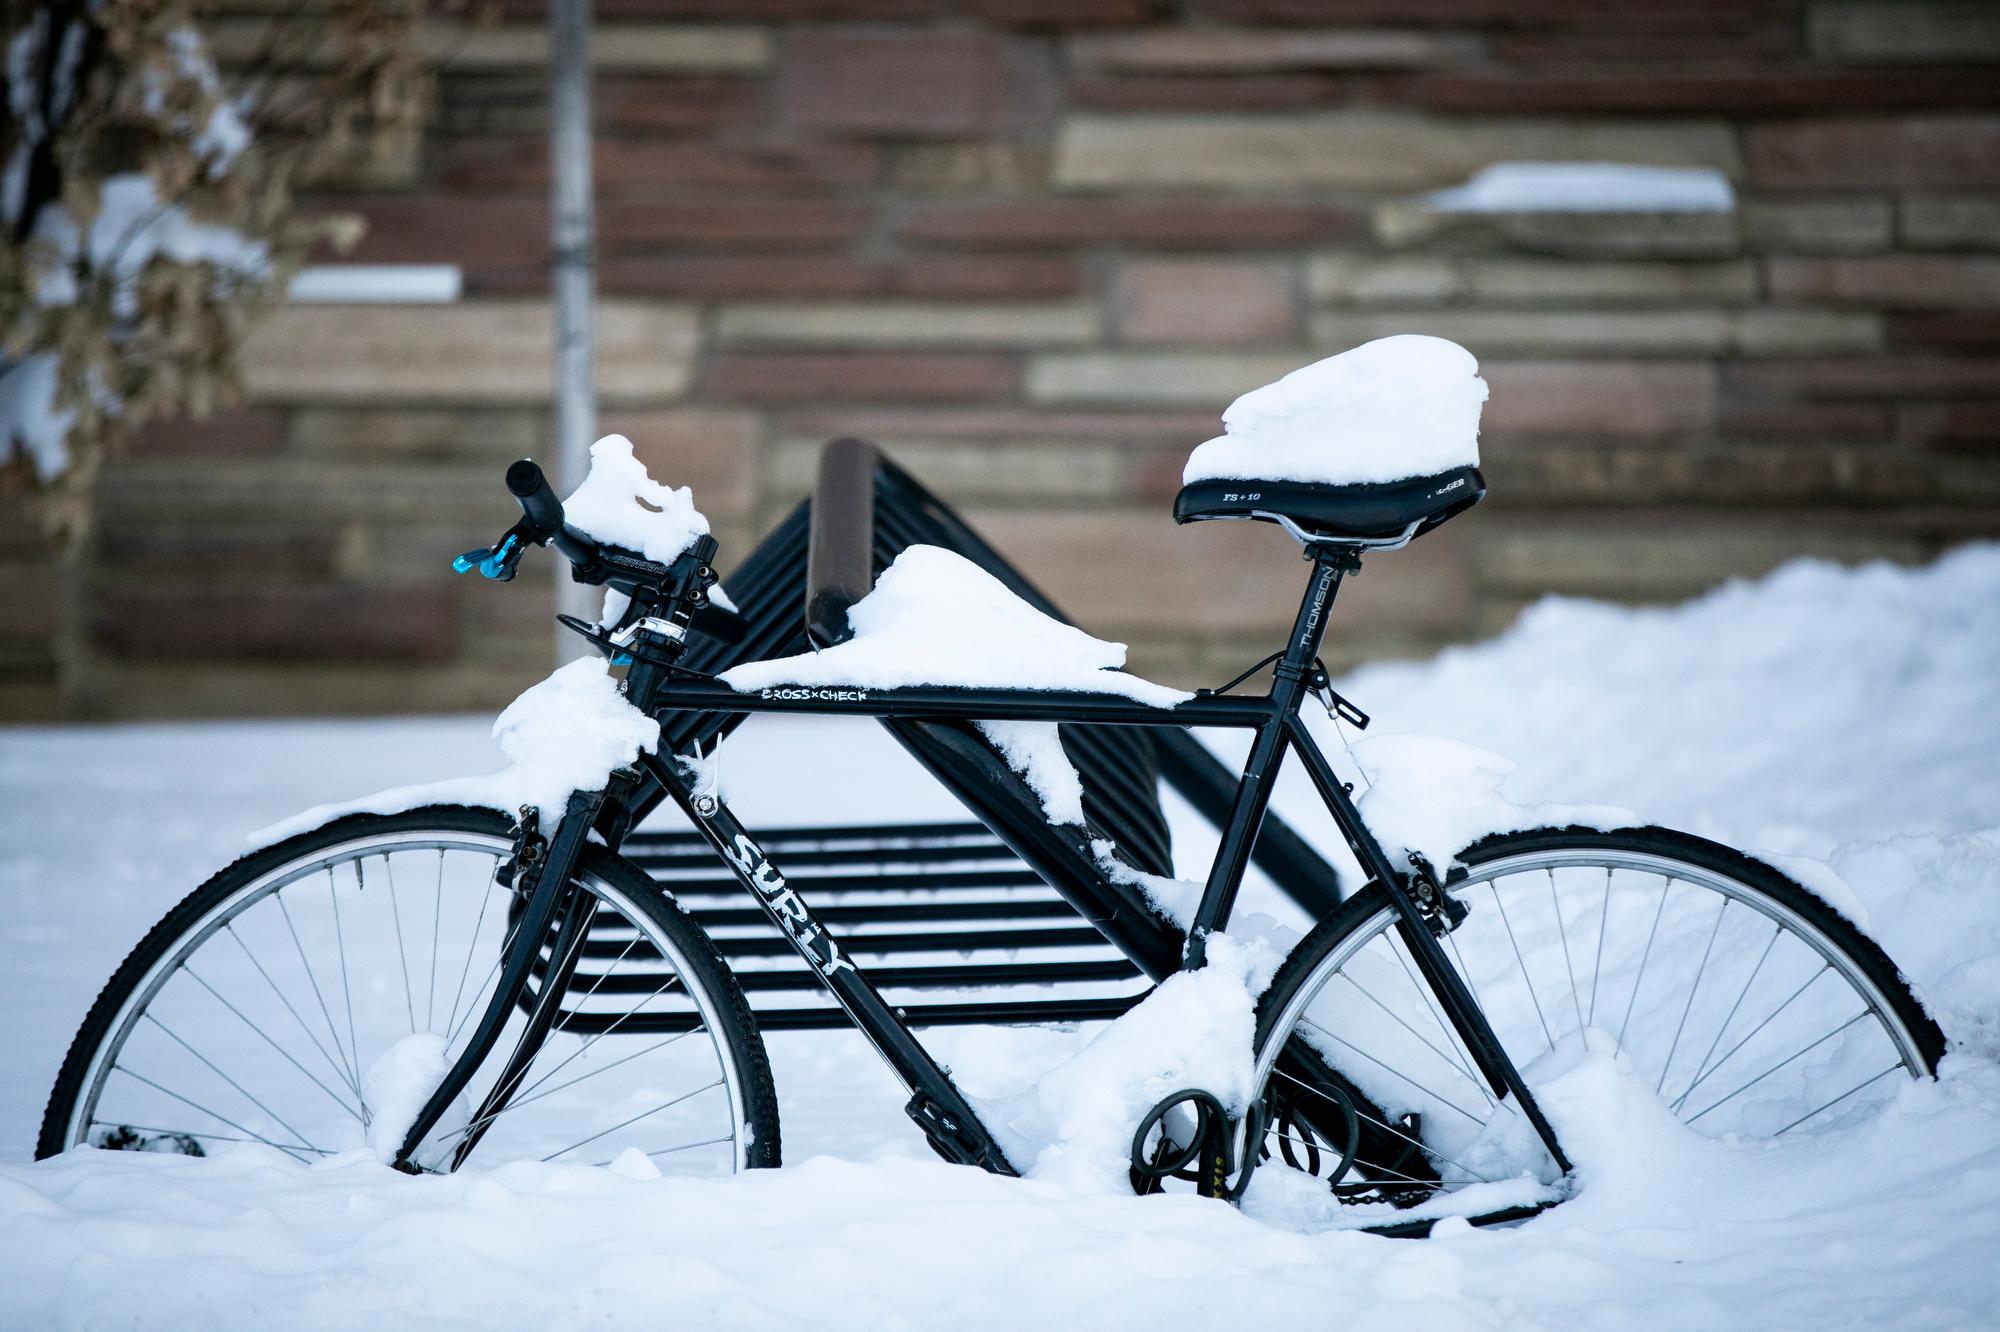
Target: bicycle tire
(1360, 932)
(680, 948)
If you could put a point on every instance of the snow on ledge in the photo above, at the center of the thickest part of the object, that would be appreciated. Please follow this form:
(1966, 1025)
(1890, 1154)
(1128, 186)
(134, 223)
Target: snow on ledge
(565, 734)
(1391, 409)
(1587, 187)
(378, 284)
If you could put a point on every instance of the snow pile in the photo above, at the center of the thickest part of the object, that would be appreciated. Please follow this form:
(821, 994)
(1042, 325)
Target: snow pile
(1074, 1126)
(1816, 706)
(621, 505)
(398, 1085)
(1436, 797)
(1844, 714)
(1394, 408)
(565, 734)
(1587, 187)
(1835, 722)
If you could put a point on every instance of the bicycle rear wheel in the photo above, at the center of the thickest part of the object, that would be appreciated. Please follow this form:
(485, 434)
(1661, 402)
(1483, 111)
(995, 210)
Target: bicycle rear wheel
(1745, 1003)
(309, 997)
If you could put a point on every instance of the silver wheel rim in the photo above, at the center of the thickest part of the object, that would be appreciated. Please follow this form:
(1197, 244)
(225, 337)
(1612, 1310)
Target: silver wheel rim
(1781, 1026)
(324, 1055)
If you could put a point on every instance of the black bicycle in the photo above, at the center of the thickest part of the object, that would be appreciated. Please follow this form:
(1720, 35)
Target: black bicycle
(451, 980)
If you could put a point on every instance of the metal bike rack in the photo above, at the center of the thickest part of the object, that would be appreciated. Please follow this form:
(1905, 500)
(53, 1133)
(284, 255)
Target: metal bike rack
(957, 922)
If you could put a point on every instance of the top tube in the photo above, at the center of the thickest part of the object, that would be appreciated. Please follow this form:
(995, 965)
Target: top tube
(950, 703)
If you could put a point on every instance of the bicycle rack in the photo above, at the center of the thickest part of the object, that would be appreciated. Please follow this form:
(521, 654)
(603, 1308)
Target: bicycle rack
(950, 919)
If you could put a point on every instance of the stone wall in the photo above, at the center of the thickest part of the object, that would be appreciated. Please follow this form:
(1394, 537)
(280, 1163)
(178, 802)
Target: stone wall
(1033, 247)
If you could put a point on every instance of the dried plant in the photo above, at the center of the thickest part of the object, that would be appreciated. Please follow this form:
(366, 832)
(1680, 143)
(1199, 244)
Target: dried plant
(152, 156)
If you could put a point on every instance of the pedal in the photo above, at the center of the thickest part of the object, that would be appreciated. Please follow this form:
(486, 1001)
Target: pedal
(954, 1137)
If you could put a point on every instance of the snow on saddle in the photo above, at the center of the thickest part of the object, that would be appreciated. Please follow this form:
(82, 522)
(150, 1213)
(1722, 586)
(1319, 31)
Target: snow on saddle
(1375, 446)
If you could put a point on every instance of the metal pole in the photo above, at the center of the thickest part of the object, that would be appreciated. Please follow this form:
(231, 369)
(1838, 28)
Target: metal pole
(573, 244)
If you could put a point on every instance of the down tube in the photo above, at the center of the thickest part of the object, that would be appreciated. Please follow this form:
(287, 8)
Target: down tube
(936, 1104)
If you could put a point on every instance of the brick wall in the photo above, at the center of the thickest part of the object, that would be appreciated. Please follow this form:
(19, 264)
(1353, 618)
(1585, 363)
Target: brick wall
(1033, 247)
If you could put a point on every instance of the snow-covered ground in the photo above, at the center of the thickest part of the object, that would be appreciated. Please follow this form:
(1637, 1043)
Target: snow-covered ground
(1851, 717)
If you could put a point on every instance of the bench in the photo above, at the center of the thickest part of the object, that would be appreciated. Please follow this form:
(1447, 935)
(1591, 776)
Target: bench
(1003, 920)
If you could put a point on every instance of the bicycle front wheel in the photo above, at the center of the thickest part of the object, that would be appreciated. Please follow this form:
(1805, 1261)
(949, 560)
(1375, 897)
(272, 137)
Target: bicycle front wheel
(1745, 1004)
(310, 996)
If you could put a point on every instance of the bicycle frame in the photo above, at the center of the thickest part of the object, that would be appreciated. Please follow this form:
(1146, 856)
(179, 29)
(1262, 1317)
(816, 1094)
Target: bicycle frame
(936, 1103)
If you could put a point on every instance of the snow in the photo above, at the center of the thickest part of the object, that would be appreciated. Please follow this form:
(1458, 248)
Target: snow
(398, 1085)
(29, 416)
(1034, 749)
(1435, 797)
(936, 618)
(1587, 187)
(565, 734)
(383, 284)
(1397, 407)
(132, 226)
(621, 505)
(1073, 1126)
(1851, 716)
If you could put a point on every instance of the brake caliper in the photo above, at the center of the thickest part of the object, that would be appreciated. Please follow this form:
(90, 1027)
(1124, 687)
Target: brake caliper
(518, 869)
(1441, 911)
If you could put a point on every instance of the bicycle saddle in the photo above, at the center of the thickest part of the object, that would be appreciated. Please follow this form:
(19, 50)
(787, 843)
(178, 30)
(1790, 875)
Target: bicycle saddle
(1383, 513)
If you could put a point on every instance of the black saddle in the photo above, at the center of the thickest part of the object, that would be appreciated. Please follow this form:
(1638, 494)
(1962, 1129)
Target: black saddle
(1390, 511)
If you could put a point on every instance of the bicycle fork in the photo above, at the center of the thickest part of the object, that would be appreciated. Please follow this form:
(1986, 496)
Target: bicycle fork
(550, 894)
(1467, 1018)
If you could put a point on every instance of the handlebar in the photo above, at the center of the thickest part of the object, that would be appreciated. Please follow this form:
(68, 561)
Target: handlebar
(538, 502)
(593, 563)
(542, 516)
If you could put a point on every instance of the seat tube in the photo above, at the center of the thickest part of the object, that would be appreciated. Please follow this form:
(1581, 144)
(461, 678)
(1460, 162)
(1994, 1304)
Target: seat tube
(1267, 753)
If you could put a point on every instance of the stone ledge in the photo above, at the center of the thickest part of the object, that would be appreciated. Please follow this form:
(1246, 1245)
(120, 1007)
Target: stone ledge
(906, 324)
(1950, 221)
(1206, 379)
(1363, 279)
(469, 47)
(1906, 32)
(1897, 281)
(1241, 50)
(1759, 332)
(1379, 149)
(1404, 222)
(476, 352)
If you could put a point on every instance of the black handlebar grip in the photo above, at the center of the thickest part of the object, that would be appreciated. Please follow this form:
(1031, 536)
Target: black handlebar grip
(538, 502)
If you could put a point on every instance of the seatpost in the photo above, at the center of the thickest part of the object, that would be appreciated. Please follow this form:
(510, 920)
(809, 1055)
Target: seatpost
(1260, 773)
(1330, 565)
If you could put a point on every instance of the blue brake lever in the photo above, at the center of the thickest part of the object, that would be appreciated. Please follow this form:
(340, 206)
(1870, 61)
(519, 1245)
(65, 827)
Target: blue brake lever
(499, 564)
(496, 563)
